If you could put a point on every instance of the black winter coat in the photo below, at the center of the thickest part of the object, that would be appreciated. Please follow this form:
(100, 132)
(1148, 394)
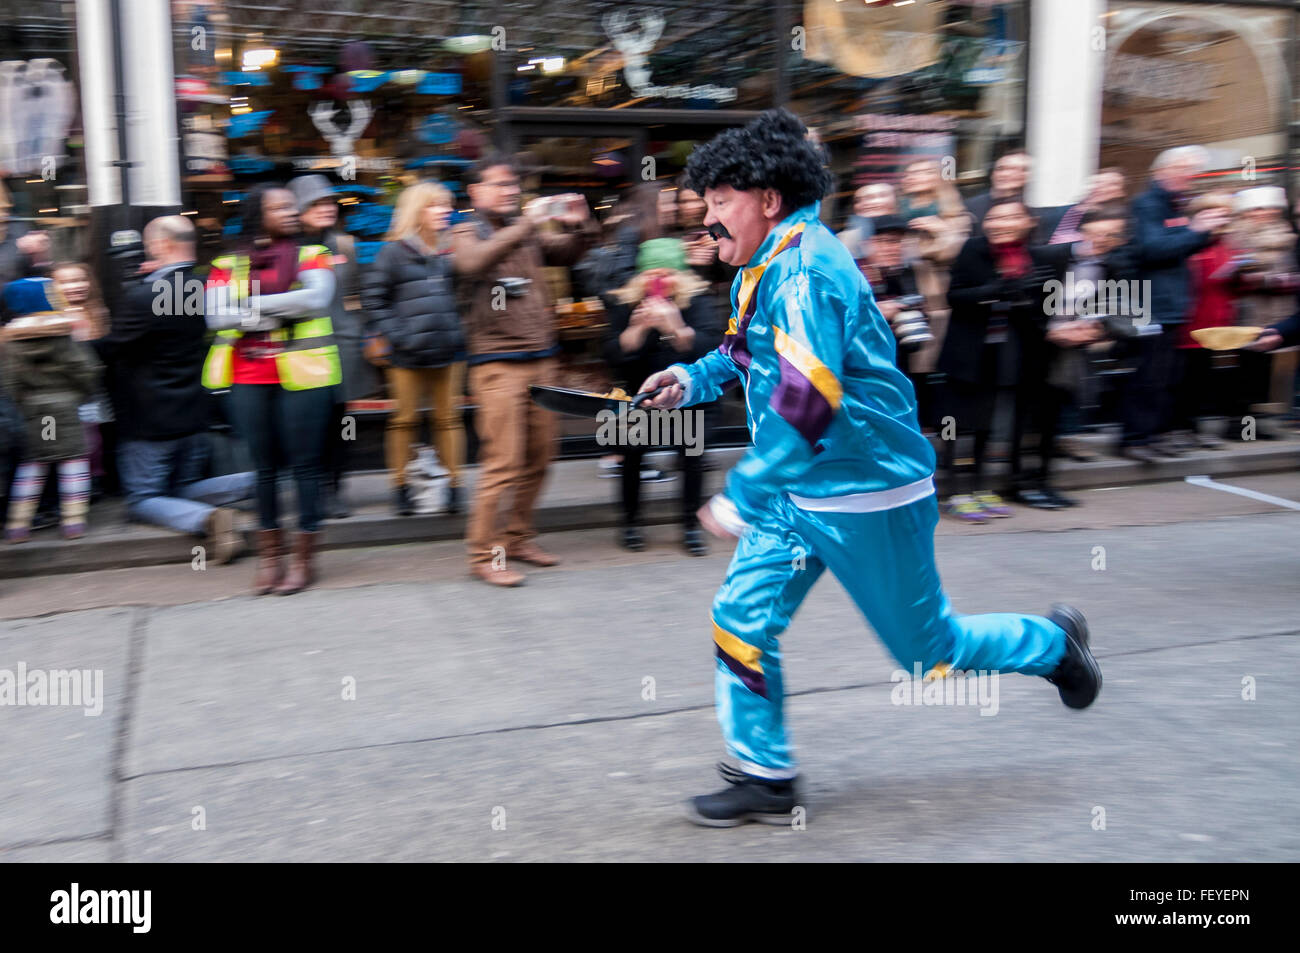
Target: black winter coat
(412, 303)
(976, 290)
(1162, 243)
(155, 361)
(657, 354)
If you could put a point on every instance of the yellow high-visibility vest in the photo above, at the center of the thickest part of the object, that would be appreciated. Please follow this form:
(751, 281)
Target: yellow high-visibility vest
(310, 357)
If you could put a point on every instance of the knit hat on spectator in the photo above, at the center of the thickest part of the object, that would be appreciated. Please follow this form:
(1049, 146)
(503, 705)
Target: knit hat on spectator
(1263, 196)
(35, 304)
(309, 189)
(884, 224)
(661, 253)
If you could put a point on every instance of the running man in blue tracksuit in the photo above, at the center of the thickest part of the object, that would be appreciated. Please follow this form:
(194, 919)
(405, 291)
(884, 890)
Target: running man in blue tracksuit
(839, 476)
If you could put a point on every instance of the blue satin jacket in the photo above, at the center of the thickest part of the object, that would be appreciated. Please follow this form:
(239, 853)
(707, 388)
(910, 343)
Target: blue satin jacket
(830, 414)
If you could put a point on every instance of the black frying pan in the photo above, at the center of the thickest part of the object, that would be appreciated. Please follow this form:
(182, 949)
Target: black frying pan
(583, 403)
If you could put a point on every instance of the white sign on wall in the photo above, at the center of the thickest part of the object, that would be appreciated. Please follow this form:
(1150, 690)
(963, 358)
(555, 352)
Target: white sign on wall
(37, 106)
(635, 42)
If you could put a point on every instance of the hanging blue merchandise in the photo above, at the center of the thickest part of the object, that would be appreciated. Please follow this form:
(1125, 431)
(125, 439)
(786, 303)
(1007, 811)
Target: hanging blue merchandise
(423, 161)
(368, 80)
(366, 251)
(437, 129)
(368, 219)
(250, 165)
(440, 84)
(241, 78)
(246, 124)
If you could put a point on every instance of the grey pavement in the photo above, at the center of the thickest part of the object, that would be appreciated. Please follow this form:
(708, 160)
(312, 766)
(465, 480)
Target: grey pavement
(574, 497)
(519, 725)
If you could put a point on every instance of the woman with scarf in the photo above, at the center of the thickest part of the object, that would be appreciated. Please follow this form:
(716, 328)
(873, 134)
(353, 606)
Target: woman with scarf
(275, 350)
(996, 341)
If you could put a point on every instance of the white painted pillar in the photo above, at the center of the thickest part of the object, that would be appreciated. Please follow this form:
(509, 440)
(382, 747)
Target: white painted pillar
(152, 133)
(1067, 52)
(150, 84)
(95, 53)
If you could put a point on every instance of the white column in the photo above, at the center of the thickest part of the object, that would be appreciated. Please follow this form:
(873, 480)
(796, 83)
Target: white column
(152, 136)
(98, 117)
(1067, 61)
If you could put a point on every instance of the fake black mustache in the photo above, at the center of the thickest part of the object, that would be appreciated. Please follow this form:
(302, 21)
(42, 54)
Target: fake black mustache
(719, 231)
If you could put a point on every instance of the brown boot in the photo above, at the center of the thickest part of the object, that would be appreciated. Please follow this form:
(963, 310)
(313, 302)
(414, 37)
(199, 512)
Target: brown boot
(497, 577)
(530, 552)
(270, 570)
(302, 570)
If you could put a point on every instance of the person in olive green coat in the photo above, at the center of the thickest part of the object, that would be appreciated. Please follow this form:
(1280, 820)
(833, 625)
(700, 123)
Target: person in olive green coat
(48, 374)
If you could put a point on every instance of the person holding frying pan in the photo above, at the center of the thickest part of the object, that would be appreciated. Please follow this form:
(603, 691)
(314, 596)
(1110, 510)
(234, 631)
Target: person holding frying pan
(838, 476)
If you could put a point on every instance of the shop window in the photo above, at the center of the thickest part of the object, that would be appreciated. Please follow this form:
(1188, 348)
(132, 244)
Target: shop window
(1211, 74)
(887, 84)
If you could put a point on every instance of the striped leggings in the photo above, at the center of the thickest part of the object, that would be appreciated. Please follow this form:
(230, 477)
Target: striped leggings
(74, 492)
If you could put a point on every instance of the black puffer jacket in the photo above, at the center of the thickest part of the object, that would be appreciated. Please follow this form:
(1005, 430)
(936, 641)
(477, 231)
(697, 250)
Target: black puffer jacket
(412, 303)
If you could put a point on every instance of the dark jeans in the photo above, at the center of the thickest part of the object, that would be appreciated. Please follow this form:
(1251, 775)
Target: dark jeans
(971, 406)
(1148, 399)
(692, 485)
(1038, 409)
(1197, 391)
(692, 467)
(336, 446)
(1251, 381)
(165, 482)
(284, 428)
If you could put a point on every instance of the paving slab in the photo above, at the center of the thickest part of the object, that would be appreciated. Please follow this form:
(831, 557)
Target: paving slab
(1181, 766)
(59, 760)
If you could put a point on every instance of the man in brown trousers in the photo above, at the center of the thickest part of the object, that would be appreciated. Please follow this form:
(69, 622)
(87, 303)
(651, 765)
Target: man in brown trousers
(512, 344)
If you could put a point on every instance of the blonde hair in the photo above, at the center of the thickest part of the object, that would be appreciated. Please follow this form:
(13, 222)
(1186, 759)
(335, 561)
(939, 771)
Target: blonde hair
(946, 196)
(688, 286)
(411, 203)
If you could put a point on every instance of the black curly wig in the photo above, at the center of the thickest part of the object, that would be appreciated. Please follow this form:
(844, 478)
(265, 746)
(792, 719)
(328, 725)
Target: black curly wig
(772, 152)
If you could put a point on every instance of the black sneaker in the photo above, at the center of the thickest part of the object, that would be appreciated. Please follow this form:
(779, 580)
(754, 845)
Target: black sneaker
(402, 504)
(693, 540)
(1039, 500)
(746, 798)
(632, 539)
(1078, 677)
(1058, 498)
(452, 502)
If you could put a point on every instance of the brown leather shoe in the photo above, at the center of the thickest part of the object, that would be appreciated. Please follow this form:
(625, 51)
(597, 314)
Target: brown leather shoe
(530, 552)
(302, 571)
(224, 542)
(270, 570)
(497, 577)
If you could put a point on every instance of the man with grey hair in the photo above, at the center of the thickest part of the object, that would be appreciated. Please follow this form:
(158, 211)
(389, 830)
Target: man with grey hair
(154, 354)
(1164, 238)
